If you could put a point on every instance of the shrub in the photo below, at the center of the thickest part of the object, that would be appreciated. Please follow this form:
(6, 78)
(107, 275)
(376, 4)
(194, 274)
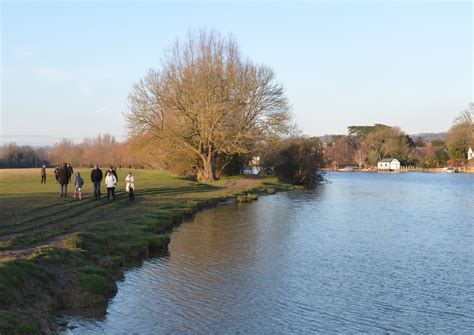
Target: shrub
(270, 190)
(59, 256)
(296, 160)
(158, 242)
(13, 276)
(12, 324)
(74, 241)
(93, 283)
(249, 197)
(94, 270)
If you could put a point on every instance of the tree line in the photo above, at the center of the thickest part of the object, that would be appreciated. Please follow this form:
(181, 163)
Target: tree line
(103, 150)
(14, 156)
(366, 145)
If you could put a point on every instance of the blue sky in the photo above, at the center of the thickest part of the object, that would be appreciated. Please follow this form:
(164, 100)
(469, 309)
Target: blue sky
(67, 67)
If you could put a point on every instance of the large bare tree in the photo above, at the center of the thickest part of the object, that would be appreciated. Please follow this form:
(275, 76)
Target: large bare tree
(207, 103)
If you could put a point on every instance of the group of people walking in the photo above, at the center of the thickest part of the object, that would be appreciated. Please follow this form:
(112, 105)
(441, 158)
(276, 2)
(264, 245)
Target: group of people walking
(111, 180)
(64, 174)
(60, 173)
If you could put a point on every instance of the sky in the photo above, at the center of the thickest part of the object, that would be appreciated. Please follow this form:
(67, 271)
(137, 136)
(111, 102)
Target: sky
(67, 67)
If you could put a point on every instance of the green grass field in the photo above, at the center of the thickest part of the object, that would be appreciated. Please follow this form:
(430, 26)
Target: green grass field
(61, 251)
(32, 213)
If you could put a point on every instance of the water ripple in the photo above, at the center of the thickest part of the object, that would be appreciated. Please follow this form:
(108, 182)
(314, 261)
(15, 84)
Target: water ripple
(367, 253)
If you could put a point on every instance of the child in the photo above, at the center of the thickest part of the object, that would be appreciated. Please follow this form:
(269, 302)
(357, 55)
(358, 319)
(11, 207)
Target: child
(110, 182)
(78, 184)
(130, 185)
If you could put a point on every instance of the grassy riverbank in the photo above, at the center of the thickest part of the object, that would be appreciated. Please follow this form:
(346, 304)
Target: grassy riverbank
(62, 253)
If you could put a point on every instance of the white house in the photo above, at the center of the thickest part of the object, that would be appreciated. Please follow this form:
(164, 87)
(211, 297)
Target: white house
(470, 158)
(254, 166)
(388, 164)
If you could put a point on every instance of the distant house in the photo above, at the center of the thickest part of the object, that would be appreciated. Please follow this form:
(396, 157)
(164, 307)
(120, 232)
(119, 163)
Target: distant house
(388, 164)
(470, 158)
(254, 166)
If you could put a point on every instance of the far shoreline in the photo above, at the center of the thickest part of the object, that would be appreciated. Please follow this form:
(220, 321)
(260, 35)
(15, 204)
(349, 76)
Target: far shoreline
(427, 170)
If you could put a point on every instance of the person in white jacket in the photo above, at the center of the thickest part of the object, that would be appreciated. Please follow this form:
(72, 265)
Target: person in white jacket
(130, 185)
(110, 182)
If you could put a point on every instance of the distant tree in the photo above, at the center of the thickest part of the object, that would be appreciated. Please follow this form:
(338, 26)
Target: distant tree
(102, 149)
(343, 150)
(430, 162)
(14, 156)
(442, 156)
(144, 150)
(386, 141)
(336, 138)
(359, 132)
(461, 134)
(361, 154)
(437, 143)
(208, 103)
(433, 157)
(361, 149)
(419, 143)
(42, 156)
(409, 141)
(66, 152)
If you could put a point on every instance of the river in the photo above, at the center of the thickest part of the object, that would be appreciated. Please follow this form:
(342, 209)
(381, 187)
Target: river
(368, 252)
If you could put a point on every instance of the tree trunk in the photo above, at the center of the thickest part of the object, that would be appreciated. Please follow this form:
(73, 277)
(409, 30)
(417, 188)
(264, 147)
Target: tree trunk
(219, 171)
(206, 173)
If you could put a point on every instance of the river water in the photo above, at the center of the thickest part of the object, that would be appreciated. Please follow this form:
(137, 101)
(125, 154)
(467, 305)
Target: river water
(376, 253)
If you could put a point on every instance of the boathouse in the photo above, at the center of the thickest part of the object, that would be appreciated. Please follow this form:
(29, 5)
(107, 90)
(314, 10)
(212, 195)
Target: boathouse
(470, 158)
(388, 164)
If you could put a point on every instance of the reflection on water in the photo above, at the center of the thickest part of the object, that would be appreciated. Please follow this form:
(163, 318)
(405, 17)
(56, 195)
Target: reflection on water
(366, 253)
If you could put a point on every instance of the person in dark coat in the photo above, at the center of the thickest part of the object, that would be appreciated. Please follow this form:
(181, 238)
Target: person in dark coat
(114, 171)
(64, 178)
(71, 171)
(96, 178)
(43, 174)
